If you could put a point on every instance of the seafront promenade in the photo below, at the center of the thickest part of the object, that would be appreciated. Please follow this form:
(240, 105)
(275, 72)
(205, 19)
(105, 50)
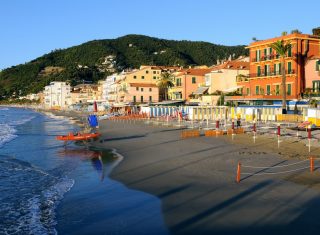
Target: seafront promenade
(195, 179)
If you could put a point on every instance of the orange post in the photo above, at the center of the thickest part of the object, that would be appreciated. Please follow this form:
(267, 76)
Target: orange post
(311, 164)
(238, 173)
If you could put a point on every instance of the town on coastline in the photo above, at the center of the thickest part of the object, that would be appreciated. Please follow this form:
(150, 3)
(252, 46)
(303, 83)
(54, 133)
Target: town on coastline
(249, 82)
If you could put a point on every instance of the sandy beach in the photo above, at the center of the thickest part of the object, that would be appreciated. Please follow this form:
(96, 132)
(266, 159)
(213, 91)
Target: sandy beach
(195, 179)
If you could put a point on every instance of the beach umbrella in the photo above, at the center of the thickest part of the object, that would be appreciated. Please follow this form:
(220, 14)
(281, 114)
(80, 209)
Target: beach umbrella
(95, 107)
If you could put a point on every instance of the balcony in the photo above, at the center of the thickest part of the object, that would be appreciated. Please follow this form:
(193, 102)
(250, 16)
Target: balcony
(271, 57)
(270, 73)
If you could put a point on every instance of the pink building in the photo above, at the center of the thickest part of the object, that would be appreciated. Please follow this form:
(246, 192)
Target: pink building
(142, 93)
(312, 75)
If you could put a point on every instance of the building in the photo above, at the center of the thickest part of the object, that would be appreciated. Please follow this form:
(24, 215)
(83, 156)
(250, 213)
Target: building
(110, 87)
(57, 95)
(86, 93)
(312, 72)
(263, 86)
(188, 83)
(140, 86)
(223, 79)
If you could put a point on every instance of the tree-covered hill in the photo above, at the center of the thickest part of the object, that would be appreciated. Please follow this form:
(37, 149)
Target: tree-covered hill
(93, 60)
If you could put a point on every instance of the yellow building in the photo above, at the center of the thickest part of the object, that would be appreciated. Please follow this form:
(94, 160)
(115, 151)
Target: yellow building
(140, 85)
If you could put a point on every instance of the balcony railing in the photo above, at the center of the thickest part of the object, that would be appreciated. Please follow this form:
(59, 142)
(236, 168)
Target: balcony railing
(271, 57)
(270, 73)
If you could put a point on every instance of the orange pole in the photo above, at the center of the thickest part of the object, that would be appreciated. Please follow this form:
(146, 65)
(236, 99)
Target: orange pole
(238, 172)
(311, 164)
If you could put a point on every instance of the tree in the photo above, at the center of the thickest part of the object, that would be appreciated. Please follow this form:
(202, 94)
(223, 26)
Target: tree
(282, 49)
(165, 82)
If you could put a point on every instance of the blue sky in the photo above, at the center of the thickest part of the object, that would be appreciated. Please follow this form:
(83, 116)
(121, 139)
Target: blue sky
(31, 28)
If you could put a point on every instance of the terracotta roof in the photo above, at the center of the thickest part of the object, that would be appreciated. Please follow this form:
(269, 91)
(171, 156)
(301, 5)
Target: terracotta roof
(195, 72)
(235, 65)
(143, 85)
(286, 37)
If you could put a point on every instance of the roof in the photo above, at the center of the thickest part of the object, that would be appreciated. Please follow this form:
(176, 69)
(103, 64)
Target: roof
(286, 37)
(201, 90)
(143, 85)
(233, 64)
(195, 72)
(159, 67)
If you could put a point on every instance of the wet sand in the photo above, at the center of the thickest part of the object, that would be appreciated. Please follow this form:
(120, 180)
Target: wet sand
(195, 179)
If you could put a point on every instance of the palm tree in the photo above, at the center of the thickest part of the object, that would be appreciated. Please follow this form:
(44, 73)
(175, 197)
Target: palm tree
(165, 82)
(282, 49)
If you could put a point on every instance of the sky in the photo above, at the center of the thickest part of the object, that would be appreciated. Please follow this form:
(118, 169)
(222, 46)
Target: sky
(31, 28)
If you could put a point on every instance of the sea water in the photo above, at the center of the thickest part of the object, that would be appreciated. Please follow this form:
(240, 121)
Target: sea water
(47, 188)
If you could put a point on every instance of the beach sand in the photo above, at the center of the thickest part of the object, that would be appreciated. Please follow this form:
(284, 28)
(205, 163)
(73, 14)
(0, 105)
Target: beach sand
(195, 179)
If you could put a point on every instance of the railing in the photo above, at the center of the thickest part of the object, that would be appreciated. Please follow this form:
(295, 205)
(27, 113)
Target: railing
(271, 57)
(270, 73)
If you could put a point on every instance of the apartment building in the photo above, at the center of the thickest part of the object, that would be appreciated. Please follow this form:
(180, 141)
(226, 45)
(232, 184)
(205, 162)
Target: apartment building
(188, 82)
(57, 95)
(140, 86)
(263, 86)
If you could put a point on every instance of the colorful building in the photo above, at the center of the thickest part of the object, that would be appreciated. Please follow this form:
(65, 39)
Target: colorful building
(263, 86)
(140, 86)
(188, 84)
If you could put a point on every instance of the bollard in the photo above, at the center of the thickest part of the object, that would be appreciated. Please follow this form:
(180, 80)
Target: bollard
(217, 124)
(311, 164)
(279, 131)
(238, 173)
(309, 138)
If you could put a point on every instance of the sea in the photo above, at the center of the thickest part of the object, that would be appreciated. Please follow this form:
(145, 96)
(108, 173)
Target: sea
(49, 188)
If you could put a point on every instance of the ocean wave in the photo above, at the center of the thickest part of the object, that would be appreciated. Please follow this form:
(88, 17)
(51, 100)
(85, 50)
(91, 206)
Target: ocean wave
(21, 121)
(30, 197)
(7, 133)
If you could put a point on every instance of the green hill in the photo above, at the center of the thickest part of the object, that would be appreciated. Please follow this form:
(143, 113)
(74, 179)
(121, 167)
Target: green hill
(94, 60)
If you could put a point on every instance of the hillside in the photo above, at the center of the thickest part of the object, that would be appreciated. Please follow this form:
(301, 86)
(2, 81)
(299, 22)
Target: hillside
(93, 60)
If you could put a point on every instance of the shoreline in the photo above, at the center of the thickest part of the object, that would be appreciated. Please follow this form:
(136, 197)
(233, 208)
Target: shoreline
(184, 174)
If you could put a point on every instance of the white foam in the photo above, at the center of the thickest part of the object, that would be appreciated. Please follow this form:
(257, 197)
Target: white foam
(7, 133)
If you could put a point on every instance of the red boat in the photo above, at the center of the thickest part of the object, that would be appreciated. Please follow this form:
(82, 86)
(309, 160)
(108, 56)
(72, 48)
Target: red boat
(78, 136)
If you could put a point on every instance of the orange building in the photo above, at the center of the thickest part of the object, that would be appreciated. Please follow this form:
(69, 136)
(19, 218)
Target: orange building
(264, 82)
(187, 82)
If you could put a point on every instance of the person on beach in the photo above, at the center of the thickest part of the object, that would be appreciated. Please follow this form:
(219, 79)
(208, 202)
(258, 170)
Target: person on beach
(238, 121)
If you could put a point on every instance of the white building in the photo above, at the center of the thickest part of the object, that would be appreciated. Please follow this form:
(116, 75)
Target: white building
(109, 87)
(57, 95)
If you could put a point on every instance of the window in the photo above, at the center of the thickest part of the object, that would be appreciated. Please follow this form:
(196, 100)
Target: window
(141, 89)
(268, 89)
(258, 55)
(142, 77)
(248, 91)
(194, 80)
(318, 65)
(178, 81)
(277, 89)
(150, 89)
(258, 71)
(150, 98)
(134, 77)
(267, 70)
(289, 52)
(137, 88)
(147, 71)
(316, 86)
(134, 98)
(257, 90)
(154, 72)
(289, 67)
(288, 89)
(154, 77)
(141, 98)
